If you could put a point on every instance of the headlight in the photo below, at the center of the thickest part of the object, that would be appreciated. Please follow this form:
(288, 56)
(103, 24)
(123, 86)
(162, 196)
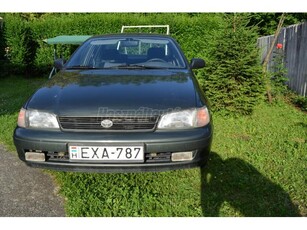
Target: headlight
(37, 119)
(185, 119)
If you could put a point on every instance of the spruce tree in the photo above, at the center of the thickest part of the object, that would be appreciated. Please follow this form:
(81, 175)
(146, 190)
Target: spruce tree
(233, 81)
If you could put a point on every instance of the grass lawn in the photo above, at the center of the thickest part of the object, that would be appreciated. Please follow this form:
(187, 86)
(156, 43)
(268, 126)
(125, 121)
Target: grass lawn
(258, 167)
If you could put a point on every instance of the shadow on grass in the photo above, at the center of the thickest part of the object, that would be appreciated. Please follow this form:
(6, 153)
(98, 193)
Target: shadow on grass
(240, 185)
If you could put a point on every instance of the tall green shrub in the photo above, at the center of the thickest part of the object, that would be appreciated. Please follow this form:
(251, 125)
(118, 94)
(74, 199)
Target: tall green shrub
(30, 46)
(278, 74)
(2, 44)
(14, 25)
(233, 79)
(22, 43)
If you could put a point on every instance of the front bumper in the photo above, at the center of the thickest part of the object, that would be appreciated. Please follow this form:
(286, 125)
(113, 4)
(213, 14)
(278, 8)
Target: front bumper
(196, 140)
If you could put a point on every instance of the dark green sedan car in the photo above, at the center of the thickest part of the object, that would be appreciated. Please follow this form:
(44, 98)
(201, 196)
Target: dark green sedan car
(122, 103)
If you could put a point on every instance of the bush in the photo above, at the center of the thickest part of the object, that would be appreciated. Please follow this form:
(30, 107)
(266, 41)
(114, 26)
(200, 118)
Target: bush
(13, 34)
(278, 74)
(297, 100)
(233, 81)
(301, 102)
(5, 68)
(2, 45)
(30, 46)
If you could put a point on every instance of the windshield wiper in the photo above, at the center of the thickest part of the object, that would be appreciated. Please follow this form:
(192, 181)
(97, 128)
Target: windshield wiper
(134, 66)
(80, 67)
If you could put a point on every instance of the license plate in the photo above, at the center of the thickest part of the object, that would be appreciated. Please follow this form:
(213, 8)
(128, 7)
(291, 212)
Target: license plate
(106, 153)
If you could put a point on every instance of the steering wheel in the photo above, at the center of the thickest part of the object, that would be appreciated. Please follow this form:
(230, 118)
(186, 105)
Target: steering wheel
(156, 60)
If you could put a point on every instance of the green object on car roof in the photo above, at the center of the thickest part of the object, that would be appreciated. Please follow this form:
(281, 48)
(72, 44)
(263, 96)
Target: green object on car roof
(67, 39)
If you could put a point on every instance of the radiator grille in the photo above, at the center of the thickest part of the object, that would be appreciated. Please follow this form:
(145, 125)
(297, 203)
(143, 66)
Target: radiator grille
(119, 123)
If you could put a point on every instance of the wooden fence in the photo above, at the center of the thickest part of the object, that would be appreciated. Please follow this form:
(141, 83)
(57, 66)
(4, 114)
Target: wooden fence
(294, 50)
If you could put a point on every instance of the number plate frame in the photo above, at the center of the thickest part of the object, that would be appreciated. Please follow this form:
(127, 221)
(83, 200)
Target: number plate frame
(106, 153)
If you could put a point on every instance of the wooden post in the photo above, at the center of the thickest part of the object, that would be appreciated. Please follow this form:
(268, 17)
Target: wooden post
(267, 58)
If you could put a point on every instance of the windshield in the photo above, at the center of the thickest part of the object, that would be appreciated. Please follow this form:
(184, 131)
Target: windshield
(127, 52)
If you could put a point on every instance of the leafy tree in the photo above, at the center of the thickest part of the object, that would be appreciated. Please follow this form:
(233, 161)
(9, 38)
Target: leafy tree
(267, 22)
(234, 82)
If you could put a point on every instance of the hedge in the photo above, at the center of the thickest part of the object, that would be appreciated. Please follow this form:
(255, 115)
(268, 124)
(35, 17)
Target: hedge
(194, 32)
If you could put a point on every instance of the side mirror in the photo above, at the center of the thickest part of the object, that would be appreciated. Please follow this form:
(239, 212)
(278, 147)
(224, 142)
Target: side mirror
(197, 63)
(59, 63)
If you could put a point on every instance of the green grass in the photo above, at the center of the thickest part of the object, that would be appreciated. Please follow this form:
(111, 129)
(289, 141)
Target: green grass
(14, 91)
(257, 168)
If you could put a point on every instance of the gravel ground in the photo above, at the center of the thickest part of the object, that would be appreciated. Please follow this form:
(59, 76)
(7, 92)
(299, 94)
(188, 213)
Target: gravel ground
(25, 191)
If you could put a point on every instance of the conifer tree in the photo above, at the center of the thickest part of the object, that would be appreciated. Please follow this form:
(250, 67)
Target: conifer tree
(233, 81)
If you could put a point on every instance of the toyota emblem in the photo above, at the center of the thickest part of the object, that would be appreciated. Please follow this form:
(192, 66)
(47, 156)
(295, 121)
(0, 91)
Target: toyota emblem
(106, 123)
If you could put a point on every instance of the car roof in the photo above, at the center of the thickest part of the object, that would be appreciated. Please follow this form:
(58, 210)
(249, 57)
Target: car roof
(133, 35)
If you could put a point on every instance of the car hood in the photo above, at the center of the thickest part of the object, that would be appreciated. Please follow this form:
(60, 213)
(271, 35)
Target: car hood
(94, 92)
